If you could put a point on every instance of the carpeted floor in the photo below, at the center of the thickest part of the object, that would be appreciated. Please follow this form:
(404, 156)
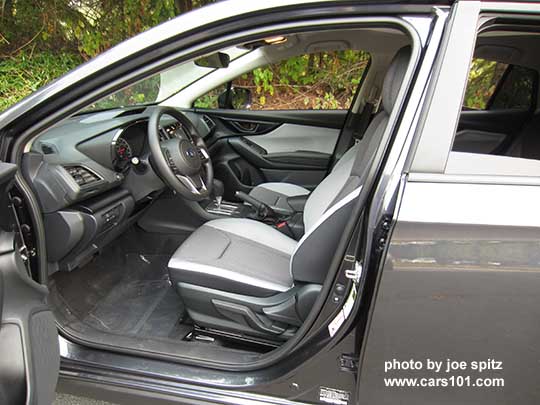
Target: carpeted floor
(125, 291)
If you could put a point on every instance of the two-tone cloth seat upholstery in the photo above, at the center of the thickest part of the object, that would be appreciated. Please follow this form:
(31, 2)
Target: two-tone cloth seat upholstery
(243, 275)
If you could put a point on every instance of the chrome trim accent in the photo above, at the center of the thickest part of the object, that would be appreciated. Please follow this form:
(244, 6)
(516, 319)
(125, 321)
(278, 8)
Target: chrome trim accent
(188, 182)
(204, 152)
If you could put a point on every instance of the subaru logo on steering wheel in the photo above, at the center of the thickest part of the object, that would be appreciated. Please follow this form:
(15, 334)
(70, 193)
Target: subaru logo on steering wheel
(190, 152)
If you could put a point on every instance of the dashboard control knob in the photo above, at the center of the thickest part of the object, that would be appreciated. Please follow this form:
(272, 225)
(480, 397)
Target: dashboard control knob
(135, 160)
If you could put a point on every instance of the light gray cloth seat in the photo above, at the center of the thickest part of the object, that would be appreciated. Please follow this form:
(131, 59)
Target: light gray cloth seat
(249, 257)
(246, 276)
(238, 255)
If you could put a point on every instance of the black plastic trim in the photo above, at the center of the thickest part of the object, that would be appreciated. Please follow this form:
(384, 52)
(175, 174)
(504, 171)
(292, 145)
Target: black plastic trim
(316, 118)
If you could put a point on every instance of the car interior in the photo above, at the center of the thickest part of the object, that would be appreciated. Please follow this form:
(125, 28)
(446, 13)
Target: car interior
(206, 233)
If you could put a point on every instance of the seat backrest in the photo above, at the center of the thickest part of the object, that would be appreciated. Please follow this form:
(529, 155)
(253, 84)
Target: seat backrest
(527, 143)
(331, 202)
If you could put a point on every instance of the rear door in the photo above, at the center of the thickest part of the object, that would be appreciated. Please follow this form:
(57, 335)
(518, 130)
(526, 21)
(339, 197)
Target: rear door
(460, 282)
(29, 355)
(281, 122)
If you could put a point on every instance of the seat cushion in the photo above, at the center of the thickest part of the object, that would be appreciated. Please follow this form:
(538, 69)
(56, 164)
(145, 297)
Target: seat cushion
(276, 194)
(237, 255)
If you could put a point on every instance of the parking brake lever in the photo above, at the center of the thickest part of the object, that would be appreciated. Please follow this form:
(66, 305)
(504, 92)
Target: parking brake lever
(261, 208)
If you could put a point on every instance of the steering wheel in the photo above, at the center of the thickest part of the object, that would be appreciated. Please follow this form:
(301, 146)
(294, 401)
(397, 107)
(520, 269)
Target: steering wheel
(182, 160)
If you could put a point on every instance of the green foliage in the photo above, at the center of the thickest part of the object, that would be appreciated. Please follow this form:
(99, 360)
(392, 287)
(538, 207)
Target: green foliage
(23, 74)
(42, 39)
(142, 92)
(210, 99)
(483, 78)
(326, 80)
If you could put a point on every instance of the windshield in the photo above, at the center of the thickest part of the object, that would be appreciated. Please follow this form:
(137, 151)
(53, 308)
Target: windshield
(161, 86)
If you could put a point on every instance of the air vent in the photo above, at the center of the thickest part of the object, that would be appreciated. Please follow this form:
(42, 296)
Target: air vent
(209, 122)
(135, 111)
(48, 149)
(82, 175)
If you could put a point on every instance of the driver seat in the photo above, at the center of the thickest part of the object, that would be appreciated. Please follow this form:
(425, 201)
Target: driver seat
(241, 275)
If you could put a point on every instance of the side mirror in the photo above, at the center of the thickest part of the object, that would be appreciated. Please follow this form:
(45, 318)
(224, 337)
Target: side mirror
(216, 60)
(235, 98)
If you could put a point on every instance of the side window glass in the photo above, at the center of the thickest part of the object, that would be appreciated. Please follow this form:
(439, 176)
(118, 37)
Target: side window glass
(210, 99)
(516, 91)
(498, 86)
(317, 81)
(484, 76)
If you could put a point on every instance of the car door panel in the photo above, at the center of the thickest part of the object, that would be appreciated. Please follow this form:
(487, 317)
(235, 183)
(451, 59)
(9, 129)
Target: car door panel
(29, 354)
(461, 281)
(293, 137)
(252, 147)
(298, 159)
(488, 131)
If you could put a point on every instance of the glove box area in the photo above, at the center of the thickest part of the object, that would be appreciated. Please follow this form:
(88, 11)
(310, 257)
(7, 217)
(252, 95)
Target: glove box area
(75, 234)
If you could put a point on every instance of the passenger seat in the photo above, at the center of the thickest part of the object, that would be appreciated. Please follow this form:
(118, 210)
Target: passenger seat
(527, 143)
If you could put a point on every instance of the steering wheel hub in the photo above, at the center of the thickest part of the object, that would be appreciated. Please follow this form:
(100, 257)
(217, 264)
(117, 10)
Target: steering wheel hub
(184, 156)
(182, 161)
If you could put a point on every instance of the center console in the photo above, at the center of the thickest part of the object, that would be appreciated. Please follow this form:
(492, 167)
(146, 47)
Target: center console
(287, 220)
(228, 209)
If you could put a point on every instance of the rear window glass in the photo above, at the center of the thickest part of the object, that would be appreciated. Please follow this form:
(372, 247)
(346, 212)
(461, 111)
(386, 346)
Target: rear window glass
(497, 86)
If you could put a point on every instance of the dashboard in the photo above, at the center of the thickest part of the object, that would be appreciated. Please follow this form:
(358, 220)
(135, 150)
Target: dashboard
(91, 153)
(93, 176)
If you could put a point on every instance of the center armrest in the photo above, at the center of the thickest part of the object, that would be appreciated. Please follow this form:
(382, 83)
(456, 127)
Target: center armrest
(297, 202)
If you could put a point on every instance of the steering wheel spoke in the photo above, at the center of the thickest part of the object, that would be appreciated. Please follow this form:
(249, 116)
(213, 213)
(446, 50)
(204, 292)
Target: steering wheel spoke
(203, 153)
(194, 183)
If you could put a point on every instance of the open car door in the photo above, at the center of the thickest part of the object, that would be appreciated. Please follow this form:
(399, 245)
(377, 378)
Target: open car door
(29, 354)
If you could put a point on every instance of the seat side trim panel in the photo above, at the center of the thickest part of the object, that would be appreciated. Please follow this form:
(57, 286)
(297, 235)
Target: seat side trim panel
(185, 265)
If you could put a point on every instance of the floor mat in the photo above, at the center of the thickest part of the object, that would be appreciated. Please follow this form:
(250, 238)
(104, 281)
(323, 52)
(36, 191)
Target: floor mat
(123, 299)
(128, 295)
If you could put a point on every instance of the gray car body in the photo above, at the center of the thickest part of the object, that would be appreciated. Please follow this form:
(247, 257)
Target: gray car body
(475, 298)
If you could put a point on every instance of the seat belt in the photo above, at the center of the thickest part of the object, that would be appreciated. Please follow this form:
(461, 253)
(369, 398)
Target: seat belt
(361, 124)
(354, 129)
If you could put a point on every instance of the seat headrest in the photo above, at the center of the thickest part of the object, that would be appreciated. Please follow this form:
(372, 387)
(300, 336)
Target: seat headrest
(394, 78)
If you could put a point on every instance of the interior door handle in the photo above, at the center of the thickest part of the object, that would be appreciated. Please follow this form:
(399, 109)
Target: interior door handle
(246, 126)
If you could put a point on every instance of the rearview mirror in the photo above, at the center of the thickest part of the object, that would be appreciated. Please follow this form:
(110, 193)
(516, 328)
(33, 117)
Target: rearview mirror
(235, 98)
(216, 60)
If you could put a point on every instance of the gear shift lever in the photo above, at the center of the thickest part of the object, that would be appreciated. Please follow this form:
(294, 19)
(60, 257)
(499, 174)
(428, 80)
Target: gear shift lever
(218, 190)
